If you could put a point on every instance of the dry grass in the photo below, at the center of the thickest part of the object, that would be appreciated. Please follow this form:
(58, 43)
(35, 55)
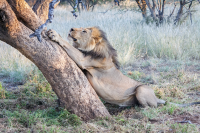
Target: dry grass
(126, 31)
(164, 57)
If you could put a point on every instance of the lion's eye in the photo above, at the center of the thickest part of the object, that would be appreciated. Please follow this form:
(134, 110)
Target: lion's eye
(85, 31)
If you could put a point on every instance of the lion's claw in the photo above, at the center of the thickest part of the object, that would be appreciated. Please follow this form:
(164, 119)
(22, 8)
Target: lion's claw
(53, 35)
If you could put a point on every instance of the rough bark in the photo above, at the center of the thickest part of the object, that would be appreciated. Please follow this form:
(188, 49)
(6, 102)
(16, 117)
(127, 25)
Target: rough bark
(180, 11)
(161, 10)
(41, 9)
(162, 13)
(31, 2)
(87, 4)
(142, 7)
(25, 14)
(94, 3)
(152, 9)
(66, 79)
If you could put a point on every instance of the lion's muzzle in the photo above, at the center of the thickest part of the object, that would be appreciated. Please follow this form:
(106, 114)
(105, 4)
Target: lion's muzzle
(74, 39)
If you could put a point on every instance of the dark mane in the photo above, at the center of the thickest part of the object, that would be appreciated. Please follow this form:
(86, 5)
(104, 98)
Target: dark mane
(93, 54)
(103, 49)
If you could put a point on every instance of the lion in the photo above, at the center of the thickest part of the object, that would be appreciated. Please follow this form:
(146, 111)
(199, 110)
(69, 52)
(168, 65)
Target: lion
(93, 53)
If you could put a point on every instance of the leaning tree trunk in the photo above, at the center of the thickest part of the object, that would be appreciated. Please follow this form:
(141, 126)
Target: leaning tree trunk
(17, 22)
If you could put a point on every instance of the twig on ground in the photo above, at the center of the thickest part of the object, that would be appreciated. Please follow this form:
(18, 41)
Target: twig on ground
(184, 121)
(198, 93)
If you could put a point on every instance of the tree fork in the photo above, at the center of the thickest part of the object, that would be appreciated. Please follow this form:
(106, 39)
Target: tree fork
(66, 79)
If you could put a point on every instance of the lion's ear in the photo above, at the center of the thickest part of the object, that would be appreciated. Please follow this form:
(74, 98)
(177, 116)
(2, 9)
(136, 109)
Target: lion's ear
(96, 34)
(98, 39)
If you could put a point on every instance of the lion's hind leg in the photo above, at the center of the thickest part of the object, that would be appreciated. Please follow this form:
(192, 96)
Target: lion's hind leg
(146, 97)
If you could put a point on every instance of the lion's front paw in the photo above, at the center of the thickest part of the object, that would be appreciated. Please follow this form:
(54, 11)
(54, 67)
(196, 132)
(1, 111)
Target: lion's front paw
(53, 35)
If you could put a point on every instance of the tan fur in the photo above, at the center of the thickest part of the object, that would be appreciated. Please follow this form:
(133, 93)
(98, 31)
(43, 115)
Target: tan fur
(93, 53)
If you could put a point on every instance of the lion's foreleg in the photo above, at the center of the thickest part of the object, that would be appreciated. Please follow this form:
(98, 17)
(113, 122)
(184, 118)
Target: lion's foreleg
(73, 53)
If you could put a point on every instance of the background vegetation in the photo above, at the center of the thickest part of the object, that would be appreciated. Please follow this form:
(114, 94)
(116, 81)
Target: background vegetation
(166, 57)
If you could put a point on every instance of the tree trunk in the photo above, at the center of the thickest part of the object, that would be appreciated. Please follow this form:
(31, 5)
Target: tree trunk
(152, 9)
(31, 2)
(41, 9)
(180, 12)
(67, 80)
(142, 7)
(87, 4)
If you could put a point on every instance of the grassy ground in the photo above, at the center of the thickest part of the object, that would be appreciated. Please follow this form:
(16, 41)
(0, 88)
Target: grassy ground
(166, 58)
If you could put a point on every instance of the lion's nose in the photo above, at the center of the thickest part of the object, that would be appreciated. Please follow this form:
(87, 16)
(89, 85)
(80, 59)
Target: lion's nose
(72, 29)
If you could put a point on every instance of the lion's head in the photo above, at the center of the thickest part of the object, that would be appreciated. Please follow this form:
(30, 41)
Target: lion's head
(93, 42)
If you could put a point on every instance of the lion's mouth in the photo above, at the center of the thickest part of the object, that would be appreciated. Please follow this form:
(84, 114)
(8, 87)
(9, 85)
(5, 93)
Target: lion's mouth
(74, 39)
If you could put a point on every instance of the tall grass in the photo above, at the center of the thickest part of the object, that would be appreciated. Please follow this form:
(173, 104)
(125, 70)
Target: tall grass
(126, 32)
(132, 38)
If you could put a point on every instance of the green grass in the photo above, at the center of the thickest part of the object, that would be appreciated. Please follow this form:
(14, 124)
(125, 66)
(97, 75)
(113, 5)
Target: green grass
(49, 117)
(183, 128)
(4, 94)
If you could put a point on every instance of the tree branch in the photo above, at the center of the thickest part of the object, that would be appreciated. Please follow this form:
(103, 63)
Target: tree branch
(142, 7)
(9, 24)
(77, 6)
(41, 9)
(139, 5)
(190, 11)
(154, 5)
(49, 20)
(152, 9)
(31, 3)
(161, 13)
(75, 9)
(172, 11)
(180, 12)
(116, 2)
(94, 3)
(25, 14)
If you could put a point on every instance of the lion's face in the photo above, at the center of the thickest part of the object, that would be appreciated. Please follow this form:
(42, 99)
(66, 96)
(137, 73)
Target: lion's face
(84, 38)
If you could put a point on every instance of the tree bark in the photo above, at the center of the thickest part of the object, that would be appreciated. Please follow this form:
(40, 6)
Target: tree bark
(87, 4)
(152, 9)
(180, 11)
(31, 2)
(41, 9)
(142, 7)
(66, 79)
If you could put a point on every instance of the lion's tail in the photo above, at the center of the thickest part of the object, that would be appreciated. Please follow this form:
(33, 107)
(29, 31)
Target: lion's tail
(185, 105)
(160, 101)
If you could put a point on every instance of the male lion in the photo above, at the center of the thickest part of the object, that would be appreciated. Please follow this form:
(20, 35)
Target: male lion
(92, 52)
